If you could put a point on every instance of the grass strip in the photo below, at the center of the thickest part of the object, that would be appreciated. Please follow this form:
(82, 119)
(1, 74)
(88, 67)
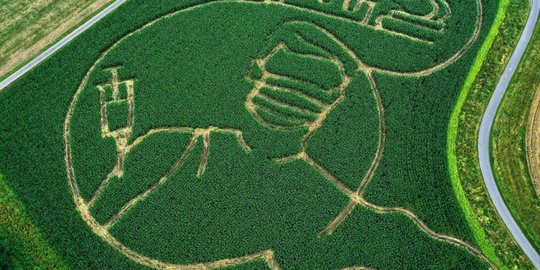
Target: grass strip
(489, 230)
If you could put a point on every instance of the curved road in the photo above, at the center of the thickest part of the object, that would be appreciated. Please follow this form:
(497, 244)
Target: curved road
(58, 45)
(485, 133)
(485, 128)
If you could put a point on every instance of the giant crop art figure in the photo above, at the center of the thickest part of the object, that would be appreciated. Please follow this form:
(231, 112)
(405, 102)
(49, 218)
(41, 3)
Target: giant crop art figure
(294, 82)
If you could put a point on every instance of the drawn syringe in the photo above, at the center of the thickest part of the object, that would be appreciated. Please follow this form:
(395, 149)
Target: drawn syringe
(116, 110)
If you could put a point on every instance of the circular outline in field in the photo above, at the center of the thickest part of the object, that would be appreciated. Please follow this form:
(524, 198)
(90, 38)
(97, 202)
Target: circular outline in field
(268, 255)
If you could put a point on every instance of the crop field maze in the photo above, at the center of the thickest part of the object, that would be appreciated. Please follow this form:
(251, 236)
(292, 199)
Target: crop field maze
(249, 134)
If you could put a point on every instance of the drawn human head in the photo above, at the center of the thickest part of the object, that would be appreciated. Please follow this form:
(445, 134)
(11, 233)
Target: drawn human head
(346, 41)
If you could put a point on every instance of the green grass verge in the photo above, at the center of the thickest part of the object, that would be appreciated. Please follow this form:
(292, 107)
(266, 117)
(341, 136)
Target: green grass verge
(24, 247)
(508, 147)
(489, 231)
(479, 234)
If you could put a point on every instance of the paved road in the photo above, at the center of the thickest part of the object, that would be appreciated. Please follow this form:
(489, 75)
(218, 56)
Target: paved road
(51, 50)
(485, 132)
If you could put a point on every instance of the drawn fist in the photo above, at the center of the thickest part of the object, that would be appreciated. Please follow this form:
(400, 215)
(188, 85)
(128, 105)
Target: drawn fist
(301, 74)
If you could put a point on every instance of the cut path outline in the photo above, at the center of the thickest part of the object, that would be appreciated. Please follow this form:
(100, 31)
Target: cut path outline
(485, 135)
(485, 128)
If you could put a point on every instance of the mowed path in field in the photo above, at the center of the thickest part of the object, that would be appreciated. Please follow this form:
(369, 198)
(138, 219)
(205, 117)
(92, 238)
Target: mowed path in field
(485, 134)
(29, 26)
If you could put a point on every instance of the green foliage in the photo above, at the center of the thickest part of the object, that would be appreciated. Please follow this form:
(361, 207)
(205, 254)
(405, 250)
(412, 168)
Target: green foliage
(256, 265)
(410, 28)
(5, 254)
(418, 7)
(284, 110)
(91, 166)
(276, 116)
(306, 89)
(146, 164)
(333, 7)
(223, 214)
(22, 245)
(117, 115)
(435, 25)
(292, 98)
(244, 202)
(341, 143)
(322, 73)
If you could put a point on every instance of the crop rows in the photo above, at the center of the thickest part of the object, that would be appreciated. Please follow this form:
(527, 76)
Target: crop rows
(244, 202)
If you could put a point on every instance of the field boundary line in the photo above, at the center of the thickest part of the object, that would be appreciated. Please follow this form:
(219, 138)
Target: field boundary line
(484, 148)
(58, 45)
(475, 226)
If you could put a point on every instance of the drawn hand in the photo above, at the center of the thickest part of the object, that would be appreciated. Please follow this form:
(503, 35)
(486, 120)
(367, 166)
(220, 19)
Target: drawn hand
(301, 73)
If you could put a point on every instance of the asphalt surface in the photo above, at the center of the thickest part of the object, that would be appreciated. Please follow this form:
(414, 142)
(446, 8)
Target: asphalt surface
(57, 46)
(485, 128)
(485, 133)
